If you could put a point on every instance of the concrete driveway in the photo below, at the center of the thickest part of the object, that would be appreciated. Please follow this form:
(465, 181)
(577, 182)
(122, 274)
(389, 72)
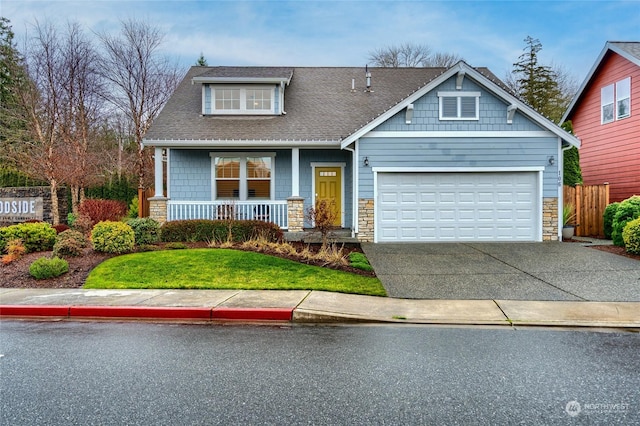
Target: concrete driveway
(516, 271)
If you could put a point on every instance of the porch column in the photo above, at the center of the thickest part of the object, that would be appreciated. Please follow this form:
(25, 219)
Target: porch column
(158, 173)
(295, 172)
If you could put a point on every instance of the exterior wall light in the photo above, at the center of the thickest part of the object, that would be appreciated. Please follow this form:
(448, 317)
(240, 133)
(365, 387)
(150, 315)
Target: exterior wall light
(552, 160)
(366, 161)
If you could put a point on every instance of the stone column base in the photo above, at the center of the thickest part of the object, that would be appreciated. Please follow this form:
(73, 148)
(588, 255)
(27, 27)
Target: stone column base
(550, 219)
(158, 209)
(295, 214)
(365, 220)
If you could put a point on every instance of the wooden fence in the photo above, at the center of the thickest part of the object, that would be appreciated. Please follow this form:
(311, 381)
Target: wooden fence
(589, 203)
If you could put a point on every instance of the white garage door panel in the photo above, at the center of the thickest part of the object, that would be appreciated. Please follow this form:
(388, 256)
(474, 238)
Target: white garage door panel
(500, 206)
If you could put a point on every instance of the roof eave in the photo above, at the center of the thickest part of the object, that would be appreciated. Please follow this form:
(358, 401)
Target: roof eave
(244, 144)
(241, 80)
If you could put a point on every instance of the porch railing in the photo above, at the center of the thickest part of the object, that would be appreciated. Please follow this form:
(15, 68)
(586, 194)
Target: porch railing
(268, 211)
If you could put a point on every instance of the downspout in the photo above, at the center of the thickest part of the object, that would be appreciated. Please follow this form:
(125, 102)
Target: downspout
(354, 192)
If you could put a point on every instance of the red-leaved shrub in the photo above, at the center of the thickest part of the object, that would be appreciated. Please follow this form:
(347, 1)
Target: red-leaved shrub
(103, 210)
(60, 227)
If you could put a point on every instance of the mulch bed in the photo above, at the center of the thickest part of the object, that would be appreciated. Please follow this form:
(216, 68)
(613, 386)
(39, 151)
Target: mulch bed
(616, 250)
(16, 274)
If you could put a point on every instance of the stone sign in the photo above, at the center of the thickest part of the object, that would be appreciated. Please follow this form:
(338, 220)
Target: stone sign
(21, 209)
(20, 204)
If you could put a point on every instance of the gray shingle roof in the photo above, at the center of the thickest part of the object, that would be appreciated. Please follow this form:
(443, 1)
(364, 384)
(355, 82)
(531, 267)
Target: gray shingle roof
(631, 47)
(319, 103)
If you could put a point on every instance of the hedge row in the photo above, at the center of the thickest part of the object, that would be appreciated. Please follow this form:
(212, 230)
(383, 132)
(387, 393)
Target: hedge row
(219, 231)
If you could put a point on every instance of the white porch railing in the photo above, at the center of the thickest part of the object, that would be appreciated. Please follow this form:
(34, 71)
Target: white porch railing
(265, 210)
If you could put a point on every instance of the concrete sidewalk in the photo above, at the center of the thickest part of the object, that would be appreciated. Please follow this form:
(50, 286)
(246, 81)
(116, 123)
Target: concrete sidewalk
(306, 307)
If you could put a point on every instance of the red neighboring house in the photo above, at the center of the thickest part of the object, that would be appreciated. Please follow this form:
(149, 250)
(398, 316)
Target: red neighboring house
(606, 118)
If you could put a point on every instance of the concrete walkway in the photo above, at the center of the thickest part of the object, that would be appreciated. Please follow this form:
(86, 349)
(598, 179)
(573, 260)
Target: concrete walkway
(305, 307)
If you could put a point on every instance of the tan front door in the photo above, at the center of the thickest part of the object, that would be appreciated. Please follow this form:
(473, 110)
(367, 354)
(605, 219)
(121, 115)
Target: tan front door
(329, 187)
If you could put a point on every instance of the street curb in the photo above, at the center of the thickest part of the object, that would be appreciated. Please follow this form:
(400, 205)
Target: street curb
(147, 312)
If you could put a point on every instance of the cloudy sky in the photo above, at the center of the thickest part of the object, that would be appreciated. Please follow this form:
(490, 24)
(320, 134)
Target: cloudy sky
(342, 33)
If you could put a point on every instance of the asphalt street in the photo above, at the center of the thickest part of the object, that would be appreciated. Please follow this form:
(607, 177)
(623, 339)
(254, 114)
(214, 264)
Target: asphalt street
(74, 373)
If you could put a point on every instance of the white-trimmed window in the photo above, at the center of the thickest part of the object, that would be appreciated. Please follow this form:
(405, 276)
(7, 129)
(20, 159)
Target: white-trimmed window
(459, 105)
(615, 101)
(243, 176)
(242, 100)
(606, 103)
(623, 98)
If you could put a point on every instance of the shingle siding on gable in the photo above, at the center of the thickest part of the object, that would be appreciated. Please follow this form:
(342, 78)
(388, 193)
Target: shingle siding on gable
(458, 152)
(493, 114)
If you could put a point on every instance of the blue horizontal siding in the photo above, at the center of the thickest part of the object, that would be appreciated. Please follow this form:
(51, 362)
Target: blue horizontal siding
(190, 175)
(458, 152)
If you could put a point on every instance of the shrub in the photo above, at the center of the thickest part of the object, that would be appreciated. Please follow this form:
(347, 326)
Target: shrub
(45, 267)
(359, 261)
(323, 215)
(71, 218)
(133, 208)
(608, 215)
(69, 243)
(628, 210)
(103, 210)
(631, 236)
(38, 236)
(15, 250)
(146, 230)
(218, 230)
(60, 228)
(147, 247)
(83, 224)
(113, 237)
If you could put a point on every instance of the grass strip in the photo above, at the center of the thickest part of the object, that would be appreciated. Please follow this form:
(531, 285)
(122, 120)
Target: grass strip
(223, 269)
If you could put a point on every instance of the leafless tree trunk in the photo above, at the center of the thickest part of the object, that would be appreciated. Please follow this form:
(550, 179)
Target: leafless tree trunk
(141, 80)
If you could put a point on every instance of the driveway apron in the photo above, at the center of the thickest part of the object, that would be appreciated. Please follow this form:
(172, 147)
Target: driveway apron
(504, 271)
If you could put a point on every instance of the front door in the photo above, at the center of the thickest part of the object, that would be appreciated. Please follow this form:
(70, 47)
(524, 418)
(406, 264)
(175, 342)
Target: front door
(329, 187)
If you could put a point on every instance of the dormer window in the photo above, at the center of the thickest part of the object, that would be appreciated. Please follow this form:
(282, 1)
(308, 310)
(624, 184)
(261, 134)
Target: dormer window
(240, 100)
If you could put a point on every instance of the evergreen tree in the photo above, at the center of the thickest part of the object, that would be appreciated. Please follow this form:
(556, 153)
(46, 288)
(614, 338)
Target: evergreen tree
(538, 85)
(12, 76)
(572, 173)
(201, 62)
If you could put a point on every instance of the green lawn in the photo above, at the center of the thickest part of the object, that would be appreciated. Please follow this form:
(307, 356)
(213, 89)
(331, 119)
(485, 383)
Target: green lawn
(223, 269)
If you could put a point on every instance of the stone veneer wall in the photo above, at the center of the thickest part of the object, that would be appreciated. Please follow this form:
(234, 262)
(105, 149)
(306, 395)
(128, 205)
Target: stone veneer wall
(158, 209)
(295, 214)
(44, 192)
(365, 220)
(550, 219)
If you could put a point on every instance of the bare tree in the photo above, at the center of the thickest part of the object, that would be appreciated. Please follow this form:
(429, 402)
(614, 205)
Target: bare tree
(403, 55)
(80, 110)
(444, 60)
(39, 97)
(140, 80)
(411, 55)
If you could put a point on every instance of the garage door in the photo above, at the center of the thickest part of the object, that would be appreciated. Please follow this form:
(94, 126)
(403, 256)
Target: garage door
(496, 206)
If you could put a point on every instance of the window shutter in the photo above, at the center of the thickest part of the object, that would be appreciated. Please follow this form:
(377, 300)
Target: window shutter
(468, 107)
(449, 107)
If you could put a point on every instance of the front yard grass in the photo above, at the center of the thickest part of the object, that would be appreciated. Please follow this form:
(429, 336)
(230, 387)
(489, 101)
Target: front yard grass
(223, 269)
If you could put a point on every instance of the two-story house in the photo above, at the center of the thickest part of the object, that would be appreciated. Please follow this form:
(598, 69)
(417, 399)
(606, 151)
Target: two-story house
(404, 154)
(606, 117)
